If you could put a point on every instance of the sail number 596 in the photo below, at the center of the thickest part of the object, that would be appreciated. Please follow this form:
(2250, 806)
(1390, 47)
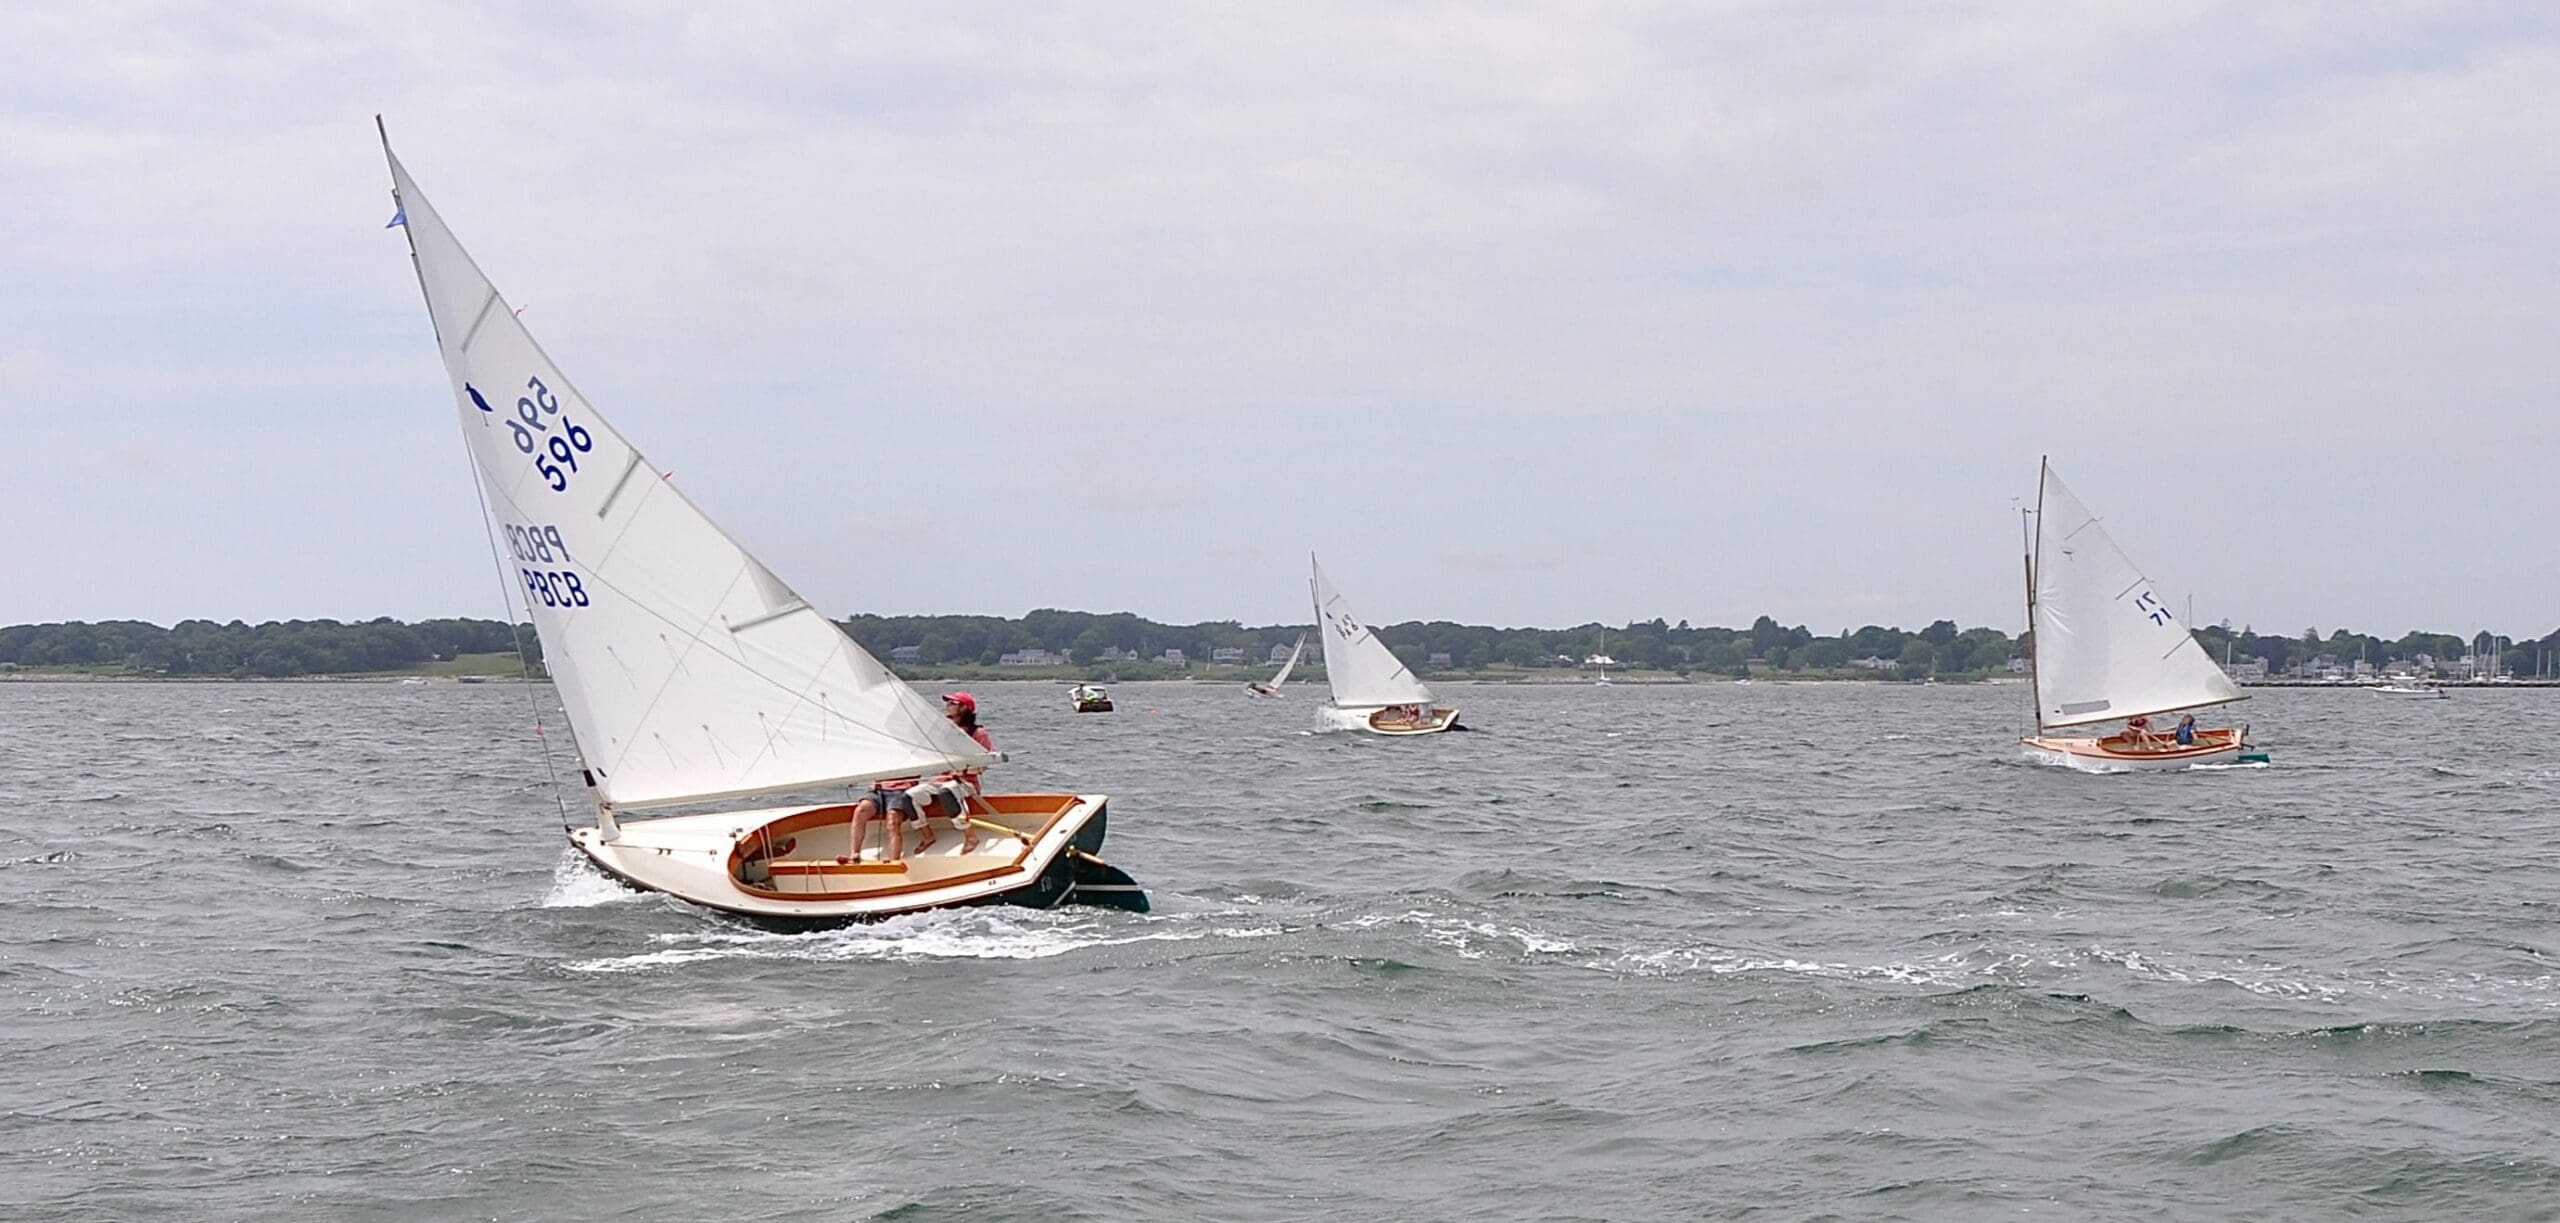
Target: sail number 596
(555, 455)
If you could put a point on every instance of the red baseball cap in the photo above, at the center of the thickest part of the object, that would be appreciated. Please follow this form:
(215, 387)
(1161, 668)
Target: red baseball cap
(961, 699)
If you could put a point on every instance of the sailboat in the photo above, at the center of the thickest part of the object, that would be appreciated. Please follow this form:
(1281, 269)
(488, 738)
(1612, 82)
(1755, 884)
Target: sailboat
(693, 677)
(1367, 677)
(1273, 688)
(2106, 648)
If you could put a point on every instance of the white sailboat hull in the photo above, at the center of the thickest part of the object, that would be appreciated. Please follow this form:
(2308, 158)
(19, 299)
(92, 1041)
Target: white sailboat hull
(1387, 721)
(2096, 755)
(789, 865)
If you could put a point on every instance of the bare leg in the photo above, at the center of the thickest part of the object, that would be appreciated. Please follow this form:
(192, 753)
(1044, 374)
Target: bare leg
(863, 810)
(920, 801)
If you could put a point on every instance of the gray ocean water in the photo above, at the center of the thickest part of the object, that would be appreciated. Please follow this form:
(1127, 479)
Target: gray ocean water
(1715, 951)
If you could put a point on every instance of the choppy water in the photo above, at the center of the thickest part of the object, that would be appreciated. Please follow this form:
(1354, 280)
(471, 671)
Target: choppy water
(1719, 951)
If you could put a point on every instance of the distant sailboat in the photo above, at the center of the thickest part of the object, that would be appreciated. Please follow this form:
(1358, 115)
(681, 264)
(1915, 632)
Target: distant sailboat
(2106, 648)
(1367, 678)
(1273, 688)
(692, 676)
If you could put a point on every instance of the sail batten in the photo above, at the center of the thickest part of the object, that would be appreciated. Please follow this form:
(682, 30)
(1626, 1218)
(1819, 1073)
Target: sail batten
(642, 603)
(2106, 646)
(1361, 670)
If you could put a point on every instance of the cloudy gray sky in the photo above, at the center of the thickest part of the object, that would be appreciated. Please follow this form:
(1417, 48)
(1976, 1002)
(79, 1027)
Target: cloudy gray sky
(1524, 315)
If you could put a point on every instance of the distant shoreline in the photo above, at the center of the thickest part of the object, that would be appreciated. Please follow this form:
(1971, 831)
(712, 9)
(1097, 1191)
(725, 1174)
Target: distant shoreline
(970, 675)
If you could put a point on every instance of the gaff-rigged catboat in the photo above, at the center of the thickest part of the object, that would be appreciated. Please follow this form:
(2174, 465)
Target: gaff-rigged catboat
(2104, 648)
(1367, 678)
(1273, 688)
(692, 676)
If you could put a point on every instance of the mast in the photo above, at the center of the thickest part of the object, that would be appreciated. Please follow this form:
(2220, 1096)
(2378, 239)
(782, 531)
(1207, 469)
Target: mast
(2035, 696)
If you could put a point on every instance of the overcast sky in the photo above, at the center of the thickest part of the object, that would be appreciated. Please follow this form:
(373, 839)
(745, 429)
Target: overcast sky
(1517, 315)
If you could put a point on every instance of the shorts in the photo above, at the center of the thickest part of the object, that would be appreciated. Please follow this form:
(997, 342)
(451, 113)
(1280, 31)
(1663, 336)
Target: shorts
(920, 802)
(939, 797)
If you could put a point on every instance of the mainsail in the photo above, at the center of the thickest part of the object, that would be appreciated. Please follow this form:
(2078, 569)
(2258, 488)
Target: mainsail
(689, 671)
(2106, 646)
(1364, 673)
(1285, 668)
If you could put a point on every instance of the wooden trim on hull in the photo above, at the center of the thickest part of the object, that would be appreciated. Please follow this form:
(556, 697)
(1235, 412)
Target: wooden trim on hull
(2116, 752)
(1442, 719)
(788, 867)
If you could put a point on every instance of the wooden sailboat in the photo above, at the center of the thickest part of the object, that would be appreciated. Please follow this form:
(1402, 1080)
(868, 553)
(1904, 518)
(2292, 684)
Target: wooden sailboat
(1291, 664)
(2105, 648)
(694, 678)
(1367, 678)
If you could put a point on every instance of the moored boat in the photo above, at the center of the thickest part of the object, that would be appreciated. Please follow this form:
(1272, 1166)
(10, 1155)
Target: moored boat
(2106, 648)
(2408, 688)
(1367, 678)
(693, 677)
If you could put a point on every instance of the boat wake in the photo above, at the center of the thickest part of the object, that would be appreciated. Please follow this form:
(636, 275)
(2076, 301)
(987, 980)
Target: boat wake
(577, 884)
(1330, 720)
(1956, 970)
(1472, 940)
(946, 934)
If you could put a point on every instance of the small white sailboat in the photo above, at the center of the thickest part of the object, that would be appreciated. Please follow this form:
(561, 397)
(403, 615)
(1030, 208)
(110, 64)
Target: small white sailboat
(2106, 648)
(694, 678)
(1367, 678)
(1273, 688)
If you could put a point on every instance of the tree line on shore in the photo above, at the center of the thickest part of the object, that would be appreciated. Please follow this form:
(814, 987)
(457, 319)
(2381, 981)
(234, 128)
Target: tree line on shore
(274, 650)
(280, 649)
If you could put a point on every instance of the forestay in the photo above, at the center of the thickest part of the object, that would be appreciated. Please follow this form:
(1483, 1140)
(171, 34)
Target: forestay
(689, 671)
(1364, 673)
(2106, 646)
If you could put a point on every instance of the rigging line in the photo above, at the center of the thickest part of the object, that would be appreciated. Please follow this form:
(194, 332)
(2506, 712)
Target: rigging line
(515, 628)
(696, 634)
(506, 595)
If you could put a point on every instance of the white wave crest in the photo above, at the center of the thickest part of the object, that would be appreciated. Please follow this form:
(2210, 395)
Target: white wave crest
(576, 884)
(1330, 720)
(967, 934)
(1467, 938)
(1951, 970)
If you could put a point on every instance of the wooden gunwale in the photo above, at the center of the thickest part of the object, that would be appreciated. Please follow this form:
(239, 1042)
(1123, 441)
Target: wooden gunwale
(1057, 806)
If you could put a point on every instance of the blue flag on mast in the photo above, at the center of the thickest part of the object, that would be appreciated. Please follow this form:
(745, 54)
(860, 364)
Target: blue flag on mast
(399, 216)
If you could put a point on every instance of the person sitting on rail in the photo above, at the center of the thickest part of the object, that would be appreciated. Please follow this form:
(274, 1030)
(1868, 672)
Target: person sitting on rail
(946, 793)
(912, 800)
